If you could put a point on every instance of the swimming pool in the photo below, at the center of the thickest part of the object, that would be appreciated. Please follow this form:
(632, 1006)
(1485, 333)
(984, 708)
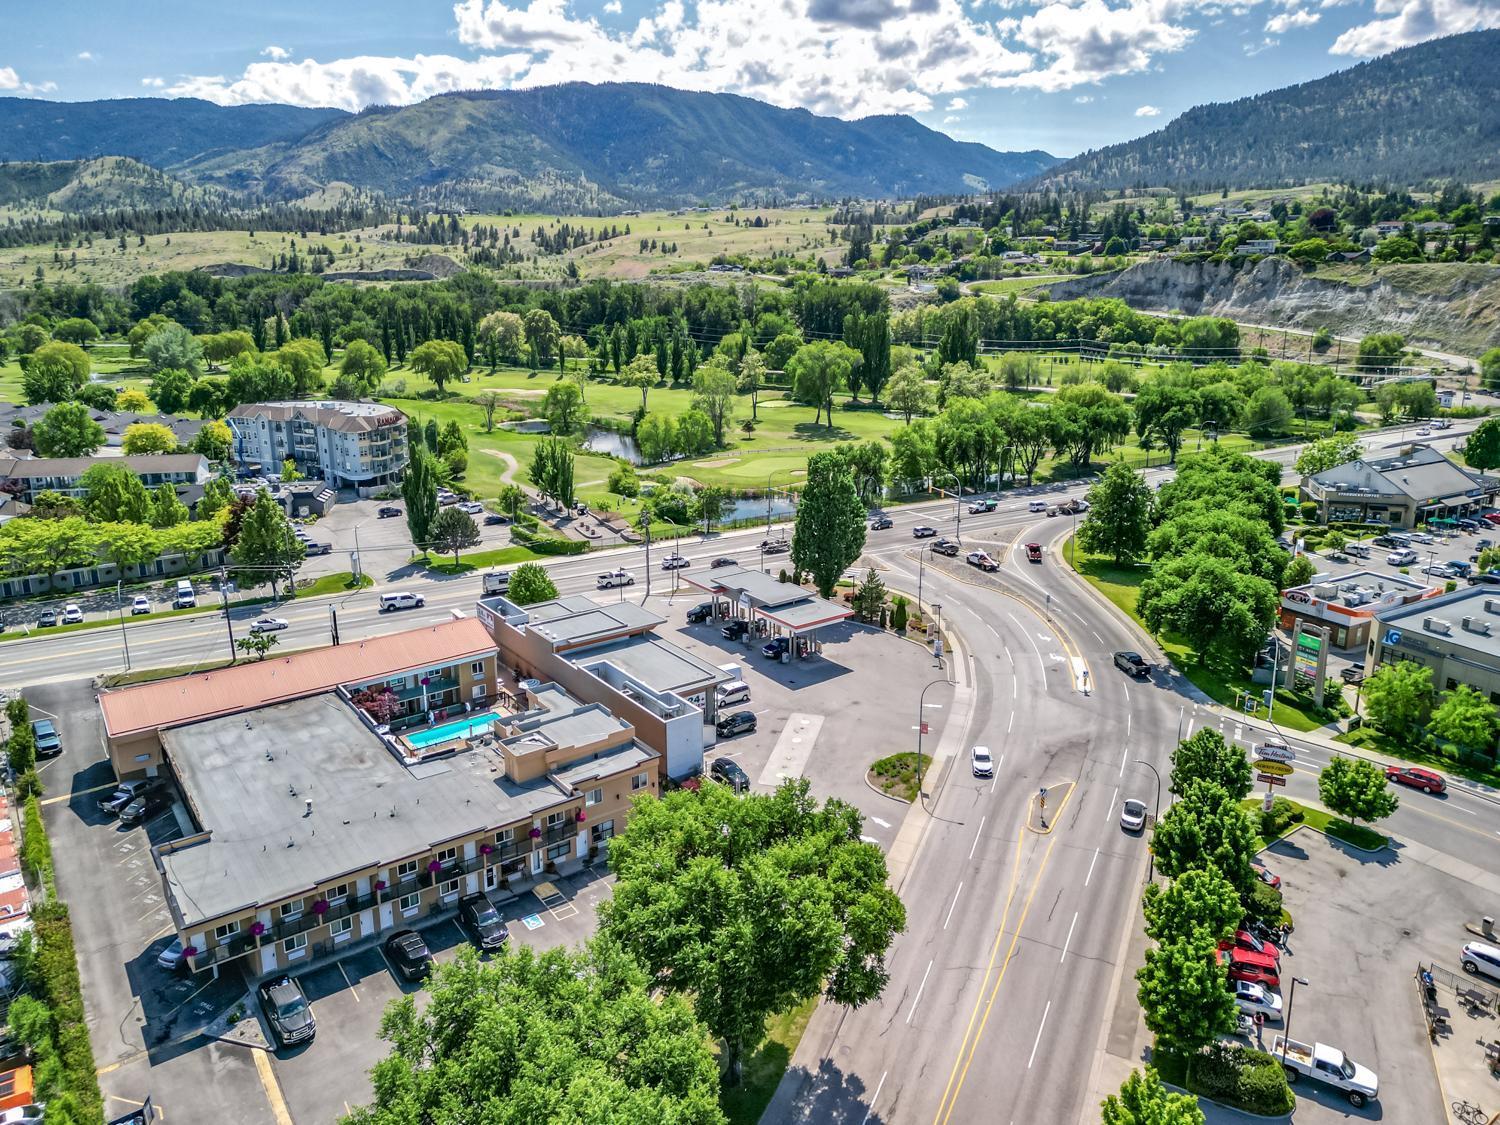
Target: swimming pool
(467, 727)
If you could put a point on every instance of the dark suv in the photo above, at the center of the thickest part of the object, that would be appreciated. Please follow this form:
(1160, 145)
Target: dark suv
(700, 612)
(1132, 663)
(409, 954)
(734, 630)
(776, 648)
(741, 722)
(728, 772)
(483, 921)
(287, 1011)
(48, 742)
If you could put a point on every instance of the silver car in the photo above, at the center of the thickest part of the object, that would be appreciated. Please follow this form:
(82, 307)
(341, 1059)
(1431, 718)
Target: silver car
(1133, 815)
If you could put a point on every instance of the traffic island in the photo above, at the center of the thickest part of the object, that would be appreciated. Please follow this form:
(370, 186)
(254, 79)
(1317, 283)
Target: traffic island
(1046, 807)
(896, 776)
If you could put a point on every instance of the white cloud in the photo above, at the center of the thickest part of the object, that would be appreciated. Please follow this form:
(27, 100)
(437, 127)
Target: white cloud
(1415, 21)
(613, 7)
(951, 118)
(153, 81)
(1088, 40)
(958, 103)
(1147, 111)
(10, 80)
(86, 56)
(1083, 99)
(275, 53)
(1298, 17)
(1253, 49)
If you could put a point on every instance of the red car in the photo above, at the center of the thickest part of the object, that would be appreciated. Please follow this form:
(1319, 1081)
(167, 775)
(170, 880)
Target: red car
(1417, 778)
(1246, 955)
(1266, 875)
(1249, 943)
(1255, 974)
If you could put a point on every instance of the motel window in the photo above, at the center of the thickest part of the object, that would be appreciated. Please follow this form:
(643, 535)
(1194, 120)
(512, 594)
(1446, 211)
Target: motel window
(554, 819)
(478, 691)
(603, 830)
(290, 909)
(405, 871)
(593, 797)
(558, 851)
(640, 781)
(398, 682)
(226, 931)
(341, 928)
(294, 946)
(448, 890)
(409, 904)
(504, 836)
(432, 673)
(477, 668)
(448, 856)
(338, 893)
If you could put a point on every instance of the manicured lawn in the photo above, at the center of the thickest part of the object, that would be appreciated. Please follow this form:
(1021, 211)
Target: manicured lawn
(1323, 821)
(896, 776)
(478, 560)
(743, 1104)
(334, 584)
(1373, 738)
(110, 359)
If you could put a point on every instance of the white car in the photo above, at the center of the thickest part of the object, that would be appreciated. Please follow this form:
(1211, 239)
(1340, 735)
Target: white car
(981, 762)
(472, 507)
(612, 578)
(269, 624)
(140, 604)
(674, 562)
(1257, 1000)
(1404, 556)
(1424, 432)
(1419, 537)
(72, 615)
(171, 957)
(1133, 815)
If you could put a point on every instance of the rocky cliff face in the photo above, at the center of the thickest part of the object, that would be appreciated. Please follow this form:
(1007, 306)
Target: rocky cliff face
(1451, 306)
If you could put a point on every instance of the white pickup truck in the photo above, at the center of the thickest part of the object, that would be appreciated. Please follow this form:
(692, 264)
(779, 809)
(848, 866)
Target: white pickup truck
(1328, 1065)
(612, 578)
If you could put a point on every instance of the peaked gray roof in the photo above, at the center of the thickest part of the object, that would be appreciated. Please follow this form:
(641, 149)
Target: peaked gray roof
(1422, 473)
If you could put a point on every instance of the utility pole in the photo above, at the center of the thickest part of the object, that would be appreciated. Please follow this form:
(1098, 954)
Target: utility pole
(120, 607)
(228, 621)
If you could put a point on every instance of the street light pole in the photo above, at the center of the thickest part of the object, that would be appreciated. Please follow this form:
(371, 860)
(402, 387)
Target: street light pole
(921, 724)
(120, 607)
(228, 620)
(1286, 1029)
(1155, 816)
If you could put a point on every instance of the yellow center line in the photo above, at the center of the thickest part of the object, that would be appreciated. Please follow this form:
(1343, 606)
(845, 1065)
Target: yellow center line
(994, 952)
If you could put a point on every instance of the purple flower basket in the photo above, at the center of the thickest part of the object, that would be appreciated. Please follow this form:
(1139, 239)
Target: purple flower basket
(536, 833)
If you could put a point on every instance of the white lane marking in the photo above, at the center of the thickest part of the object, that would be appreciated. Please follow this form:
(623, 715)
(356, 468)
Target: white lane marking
(882, 823)
(975, 845)
(865, 1120)
(1127, 699)
(992, 629)
(1470, 812)
(1093, 861)
(869, 839)
(1015, 688)
(917, 998)
(1038, 1042)
(1008, 656)
(1069, 939)
(1097, 637)
(952, 905)
(1009, 721)
(1127, 720)
(1109, 813)
(1124, 753)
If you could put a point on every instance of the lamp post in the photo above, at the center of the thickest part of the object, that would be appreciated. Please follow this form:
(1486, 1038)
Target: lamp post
(1286, 1030)
(120, 607)
(921, 727)
(958, 505)
(921, 560)
(937, 641)
(1155, 816)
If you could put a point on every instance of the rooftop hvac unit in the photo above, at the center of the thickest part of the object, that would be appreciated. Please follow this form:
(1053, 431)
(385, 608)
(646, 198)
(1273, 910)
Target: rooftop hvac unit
(1436, 625)
(1477, 625)
(1492, 605)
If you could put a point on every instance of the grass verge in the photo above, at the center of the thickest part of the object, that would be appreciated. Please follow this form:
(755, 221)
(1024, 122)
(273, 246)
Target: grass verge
(339, 583)
(896, 776)
(1371, 738)
(478, 560)
(1321, 820)
(762, 1071)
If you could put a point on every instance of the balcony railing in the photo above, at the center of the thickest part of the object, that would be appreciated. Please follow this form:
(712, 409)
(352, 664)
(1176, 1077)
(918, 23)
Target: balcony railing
(555, 833)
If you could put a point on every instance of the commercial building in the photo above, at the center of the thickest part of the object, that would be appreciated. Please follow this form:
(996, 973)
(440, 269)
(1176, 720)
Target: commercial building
(362, 788)
(771, 607)
(1456, 635)
(347, 444)
(25, 477)
(1347, 605)
(1417, 484)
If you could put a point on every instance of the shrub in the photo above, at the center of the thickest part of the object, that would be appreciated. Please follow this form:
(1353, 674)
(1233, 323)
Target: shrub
(36, 852)
(1282, 816)
(898, 615)
(1309, 510)
(547, 544)
(1265, 903)
(1238, 1076)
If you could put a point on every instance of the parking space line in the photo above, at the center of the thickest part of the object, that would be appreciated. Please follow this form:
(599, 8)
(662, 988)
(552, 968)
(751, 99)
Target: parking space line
(344, 973)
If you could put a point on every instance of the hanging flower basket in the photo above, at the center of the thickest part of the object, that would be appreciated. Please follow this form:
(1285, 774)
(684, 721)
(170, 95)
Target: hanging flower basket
(426, 680)
(435, 866)
(257, 928)
(190, 951)
(486, 849)
(536, 833)
(380, 884)
(581, 817)
(321, 906)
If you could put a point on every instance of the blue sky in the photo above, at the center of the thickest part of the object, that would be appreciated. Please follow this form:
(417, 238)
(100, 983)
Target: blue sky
(1061, 75)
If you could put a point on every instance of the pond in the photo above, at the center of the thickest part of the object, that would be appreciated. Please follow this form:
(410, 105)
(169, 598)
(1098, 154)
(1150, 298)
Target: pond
(622, 446)
(756, 509)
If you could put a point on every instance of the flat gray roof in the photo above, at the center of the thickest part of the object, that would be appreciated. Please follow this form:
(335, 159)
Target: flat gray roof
(658, 664)
(1471, 602)
(764, 589)
(580, 626)
(578, 774)
(809, 613)
(249, 776)
(573, 726)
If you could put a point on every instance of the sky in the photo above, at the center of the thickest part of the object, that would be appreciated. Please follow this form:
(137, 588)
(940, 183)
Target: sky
(1059, 75)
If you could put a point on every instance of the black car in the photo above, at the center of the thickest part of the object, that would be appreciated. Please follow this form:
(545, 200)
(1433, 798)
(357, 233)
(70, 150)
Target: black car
(741, 722)
(700, 612)
(409, 954)
(734, 630)
(775, 647)
(1132, 663)
(144, 805)
(726, 771)
(946, 547)
(922, 531)
(287, 1011)
(493, 520)
(880, 523)
(388, 512)
(718, 563)
(483, 921)
(48, 742)
(115, 801)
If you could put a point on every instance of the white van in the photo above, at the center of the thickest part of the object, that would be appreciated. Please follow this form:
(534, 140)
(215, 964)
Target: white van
(735, 691)
(1037, 506)
(389, 602)
(186, 598)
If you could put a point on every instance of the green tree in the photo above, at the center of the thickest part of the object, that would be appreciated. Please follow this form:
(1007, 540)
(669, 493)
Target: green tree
(1356, 789)
(1118, 516)
(750, 905)
(442, 361)
(258, 643)
(869, 597)
(714, 388)
(170, 388)
(76, 330)
(713, 501)
(561, 406)
(222, 347)
(173, 346)
(1398, 697)
(1206, 826)
(20, 748)
(166, 509)
(54, 372)
(1299, 572)
(1269, 413)
(133, 401)
(1466, 719)
(127, 544)
(640, 373)
(542, 335)
(112, 493)
(214, 441)
(752, 374)
(532, 1036)
(1143, 1100)
(1222, 613)
(1087, 419)
(303, 359)
(623, 481)
(148, 437)
(67, 430)
(1165, 407)
(1489, 368)
(266, 547)
(1482, 448)
(817, 370)
(656, 436)
(1184, 994)
(907, 393)
(1328, 453)
(290, 474)
(1200, 899)
(363, 364)
(502, 334)
(511, 499)
(490, 402)
(1207, 757)
(142, 331)
(419, 488)
(207, 396)
(695, 433)
(530, 584)
(1380, 351)
(454, 531)
(830, 530)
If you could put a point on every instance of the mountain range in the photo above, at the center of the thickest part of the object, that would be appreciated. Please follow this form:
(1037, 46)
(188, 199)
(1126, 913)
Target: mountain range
(576, 146)
(1416, 115)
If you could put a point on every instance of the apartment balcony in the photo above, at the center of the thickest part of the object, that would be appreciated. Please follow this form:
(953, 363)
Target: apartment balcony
(556, 833)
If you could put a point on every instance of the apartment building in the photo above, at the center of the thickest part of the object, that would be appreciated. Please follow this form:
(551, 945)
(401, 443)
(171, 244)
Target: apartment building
(27, 476)
(348, 444)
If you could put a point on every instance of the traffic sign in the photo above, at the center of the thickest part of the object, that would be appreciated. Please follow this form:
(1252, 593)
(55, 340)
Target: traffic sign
(1270, 779)
(1281, 769)
(1276, 752)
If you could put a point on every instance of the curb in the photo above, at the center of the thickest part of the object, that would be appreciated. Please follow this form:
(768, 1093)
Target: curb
(1327, 836)
(1231, 1108)
(881, 793)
